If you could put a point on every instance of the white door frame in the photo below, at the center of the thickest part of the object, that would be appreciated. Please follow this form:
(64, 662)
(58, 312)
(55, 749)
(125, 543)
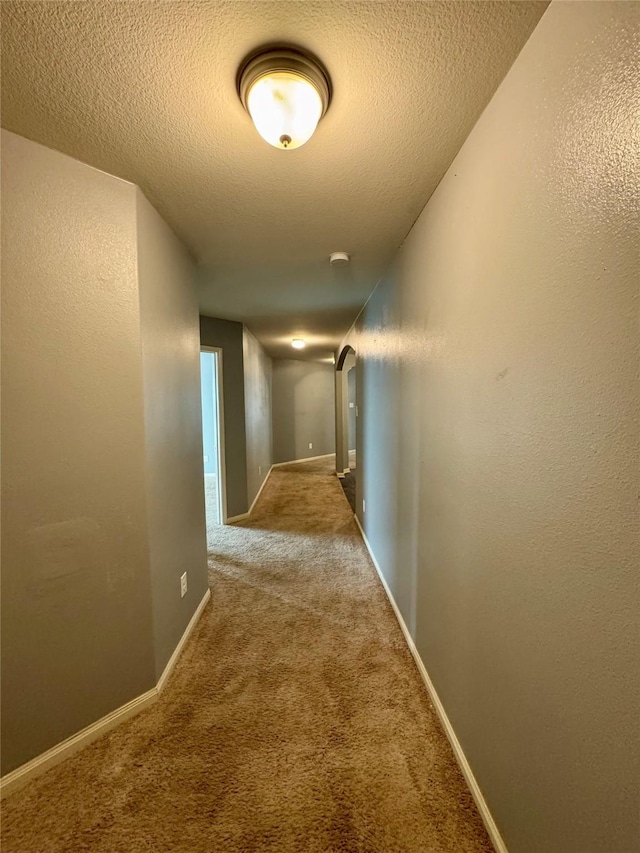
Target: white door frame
(219, 415)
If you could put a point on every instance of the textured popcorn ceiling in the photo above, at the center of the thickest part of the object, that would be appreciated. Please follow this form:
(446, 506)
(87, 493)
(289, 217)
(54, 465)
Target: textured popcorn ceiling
(146, 91)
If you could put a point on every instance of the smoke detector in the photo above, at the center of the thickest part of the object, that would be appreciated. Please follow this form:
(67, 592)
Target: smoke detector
(338, 259)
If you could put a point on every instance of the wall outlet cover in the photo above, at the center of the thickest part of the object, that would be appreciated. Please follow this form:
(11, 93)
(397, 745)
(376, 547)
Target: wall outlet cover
(310, 445)
(183, 585)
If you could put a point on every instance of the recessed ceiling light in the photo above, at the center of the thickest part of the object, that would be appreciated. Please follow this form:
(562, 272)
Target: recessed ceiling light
(286, 93)
(298, 343)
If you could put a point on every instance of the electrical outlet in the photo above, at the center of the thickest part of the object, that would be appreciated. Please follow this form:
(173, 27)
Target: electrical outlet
(183, 585)
(364, 506)
(310, 445)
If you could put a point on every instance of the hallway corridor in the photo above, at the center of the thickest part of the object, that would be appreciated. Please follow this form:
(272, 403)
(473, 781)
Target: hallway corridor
(295, 720)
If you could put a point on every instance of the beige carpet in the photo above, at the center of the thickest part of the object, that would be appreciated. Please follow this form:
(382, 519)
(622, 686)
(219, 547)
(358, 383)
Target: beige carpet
(295, 721)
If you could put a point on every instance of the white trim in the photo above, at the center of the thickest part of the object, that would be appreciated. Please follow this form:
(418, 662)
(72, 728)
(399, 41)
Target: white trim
(21, 775)
(234, 518)
(65, 749)
(173, 660)
(245, 515)
(305, 459)
(264, 483)
(467, 772)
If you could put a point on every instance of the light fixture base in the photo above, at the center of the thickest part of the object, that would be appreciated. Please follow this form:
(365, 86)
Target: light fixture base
(286, 59)
(339, 259)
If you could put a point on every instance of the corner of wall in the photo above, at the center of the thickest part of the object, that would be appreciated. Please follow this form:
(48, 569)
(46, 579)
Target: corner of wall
(257, 370)
(170, 340)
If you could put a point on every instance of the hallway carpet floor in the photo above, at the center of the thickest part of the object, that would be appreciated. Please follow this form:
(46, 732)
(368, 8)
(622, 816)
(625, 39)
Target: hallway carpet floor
(295, 720)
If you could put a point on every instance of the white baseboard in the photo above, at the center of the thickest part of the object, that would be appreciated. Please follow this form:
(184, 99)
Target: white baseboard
(21, 775)
(173, 660)
(304, 459)
(245, 515)
(264, 483)
(65, 749)
(467, 772)
(234, 518)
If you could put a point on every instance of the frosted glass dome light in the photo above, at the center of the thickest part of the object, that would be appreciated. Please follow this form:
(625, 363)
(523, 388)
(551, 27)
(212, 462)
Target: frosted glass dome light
(286, 93)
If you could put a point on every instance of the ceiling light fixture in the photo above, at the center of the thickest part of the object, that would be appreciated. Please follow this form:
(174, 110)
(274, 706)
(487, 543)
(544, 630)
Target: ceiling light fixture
(298, 343)
(286, 93)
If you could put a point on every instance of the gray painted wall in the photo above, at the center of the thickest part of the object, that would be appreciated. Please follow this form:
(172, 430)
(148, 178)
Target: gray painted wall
(257, 404)
(227, 335)
(76, 600)
(173, 428)
(303, 409)
(103, 504)
(498, 437)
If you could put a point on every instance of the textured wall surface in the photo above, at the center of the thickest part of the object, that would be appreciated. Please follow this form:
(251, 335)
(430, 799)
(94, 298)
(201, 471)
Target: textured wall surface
(173, 427)
(76, 602)
(257, 404)
(497, 375)
(303, 409)
(147, 91)
(228, 336)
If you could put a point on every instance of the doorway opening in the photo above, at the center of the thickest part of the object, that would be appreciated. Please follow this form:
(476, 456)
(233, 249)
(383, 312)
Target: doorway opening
(351, 419)
(346, 422)
(212, 439)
